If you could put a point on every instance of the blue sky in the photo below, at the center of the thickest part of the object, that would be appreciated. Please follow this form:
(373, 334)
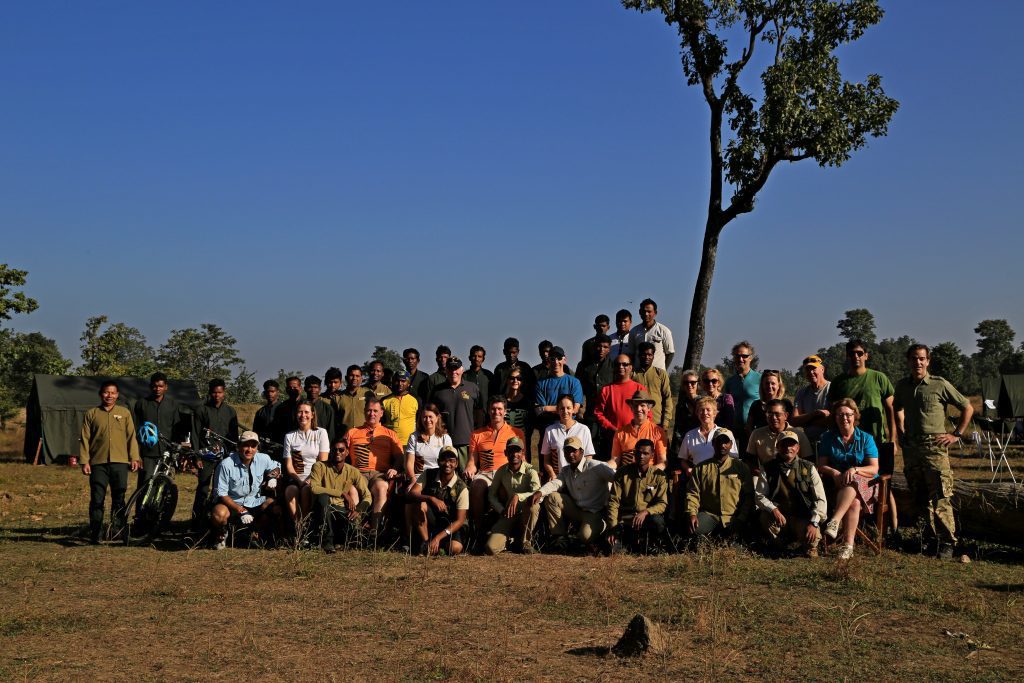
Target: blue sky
(321, 178)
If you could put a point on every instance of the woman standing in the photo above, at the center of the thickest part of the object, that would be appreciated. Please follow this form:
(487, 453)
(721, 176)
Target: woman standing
(771, 387)
(712, 383)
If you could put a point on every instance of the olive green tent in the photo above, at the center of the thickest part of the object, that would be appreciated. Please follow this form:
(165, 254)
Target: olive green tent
(57, 405)
(1007, 393)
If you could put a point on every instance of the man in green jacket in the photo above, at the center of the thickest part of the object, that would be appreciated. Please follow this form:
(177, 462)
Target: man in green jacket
(720, 492)
(637, 504)
(511, 496)
(108, 449)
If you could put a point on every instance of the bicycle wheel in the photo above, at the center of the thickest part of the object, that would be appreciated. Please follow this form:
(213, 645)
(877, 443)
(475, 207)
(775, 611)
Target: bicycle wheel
(135, 514)
(165, 501)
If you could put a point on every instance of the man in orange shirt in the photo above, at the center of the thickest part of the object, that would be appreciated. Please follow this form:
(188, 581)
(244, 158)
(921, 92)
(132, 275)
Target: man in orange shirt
(486, 455)
(374, 450)
(641, 427)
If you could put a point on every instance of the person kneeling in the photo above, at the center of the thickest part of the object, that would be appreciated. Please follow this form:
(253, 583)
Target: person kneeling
(511, 496)
(240, 489)
(332, 484)
(443, 500)
(790, 498)
(637, 504)
(719, 493)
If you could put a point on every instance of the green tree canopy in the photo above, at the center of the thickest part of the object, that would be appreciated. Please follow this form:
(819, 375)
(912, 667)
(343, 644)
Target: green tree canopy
(12, 302)
(391, 359)
(858, 323)
(199, 354)
(802, 109)
(947, 360)
(995, 344)
(117, 350)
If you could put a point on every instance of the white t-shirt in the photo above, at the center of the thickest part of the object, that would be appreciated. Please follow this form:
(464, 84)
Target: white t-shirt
(554, 440)
(426, 451)
(311, 444)
(695, 447)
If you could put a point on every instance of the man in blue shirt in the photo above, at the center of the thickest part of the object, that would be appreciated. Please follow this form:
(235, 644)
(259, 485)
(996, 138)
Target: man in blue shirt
(549, 389)
(743, 387)
(243, 478)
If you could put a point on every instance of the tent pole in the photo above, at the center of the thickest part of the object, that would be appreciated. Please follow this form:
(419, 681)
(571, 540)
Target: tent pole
(39, 448)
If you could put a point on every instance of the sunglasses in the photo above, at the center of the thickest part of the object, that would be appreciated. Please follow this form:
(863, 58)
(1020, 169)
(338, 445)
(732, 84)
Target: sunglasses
(623, 365)
(691, 382)
(710, 380)
(858, 353)
(744, 356)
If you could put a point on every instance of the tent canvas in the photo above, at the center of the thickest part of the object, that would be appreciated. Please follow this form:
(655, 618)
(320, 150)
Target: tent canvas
(1007, 392)
(57, 405)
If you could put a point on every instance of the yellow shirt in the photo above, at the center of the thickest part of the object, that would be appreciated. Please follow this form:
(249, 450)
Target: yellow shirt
(400, 415)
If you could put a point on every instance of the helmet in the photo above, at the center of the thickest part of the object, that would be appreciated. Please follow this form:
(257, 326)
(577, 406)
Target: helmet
(148, 434)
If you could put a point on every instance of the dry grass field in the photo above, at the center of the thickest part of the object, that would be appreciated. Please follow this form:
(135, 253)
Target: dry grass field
(173, 612)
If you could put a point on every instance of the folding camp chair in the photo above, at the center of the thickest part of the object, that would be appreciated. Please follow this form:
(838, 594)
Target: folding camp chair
(883, 505)
(995, 431)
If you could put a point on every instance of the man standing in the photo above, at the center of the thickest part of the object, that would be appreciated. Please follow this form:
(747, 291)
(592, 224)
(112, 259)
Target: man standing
(439, 378)
(595, 376)
(588, 354)
(284, 415)
(920, 403)
(375, 382)
(400, 408)
(419, 381)
(870, 389)
(620, 337)
(461, 408)
(483, 379)
(686, 416)
(351, 403)
(163, 411)
(790, 498)
(542, 369)
(744, 386)
(511, 496)
(240, 490)
(486, 455)
(218, 417)
(322, 407)
(638, 501)
(720, 492)
(811, 410)
(655, 382)
(650, 330)
(107, 450)
(263, 422)
(559, 382)
(639, 428)
(579, 493)
(763, 445)
(612, 410)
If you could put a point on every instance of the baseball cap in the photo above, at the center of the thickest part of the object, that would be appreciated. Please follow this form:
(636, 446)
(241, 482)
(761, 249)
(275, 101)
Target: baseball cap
(454, 363)
(788, 435)
(720, 433)
(514, 442)
(573, 442)
(557, 352)
(401, 374)
(447, 452)
(813, 361)
(249, 437)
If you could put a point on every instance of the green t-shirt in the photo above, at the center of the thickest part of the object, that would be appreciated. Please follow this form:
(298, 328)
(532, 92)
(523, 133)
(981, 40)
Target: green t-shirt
(869, 391)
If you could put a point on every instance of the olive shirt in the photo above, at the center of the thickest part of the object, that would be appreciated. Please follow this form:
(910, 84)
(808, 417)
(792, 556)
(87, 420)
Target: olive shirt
(725, 489)
(108, 436)
(655, 381)
(324, 478)
(349, 410)
(763, 444)
(869, 392)
(521, 484)
(165, 414)
(924, 404)
(634, 492)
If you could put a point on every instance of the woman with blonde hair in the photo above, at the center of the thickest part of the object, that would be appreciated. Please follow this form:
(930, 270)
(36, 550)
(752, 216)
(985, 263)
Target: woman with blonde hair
(713, 385)
(771, 387)
(697, 445)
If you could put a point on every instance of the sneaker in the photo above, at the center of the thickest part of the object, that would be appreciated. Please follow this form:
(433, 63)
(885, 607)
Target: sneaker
(832, 528)
(845, 552)
(945, 551)
(220, 544)
(812, 552)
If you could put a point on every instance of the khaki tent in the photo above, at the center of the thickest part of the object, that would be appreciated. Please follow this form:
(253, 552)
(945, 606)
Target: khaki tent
(57, 405)
(1007, 393)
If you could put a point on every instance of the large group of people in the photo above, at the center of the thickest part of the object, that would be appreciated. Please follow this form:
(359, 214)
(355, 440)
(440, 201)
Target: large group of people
(597, 458)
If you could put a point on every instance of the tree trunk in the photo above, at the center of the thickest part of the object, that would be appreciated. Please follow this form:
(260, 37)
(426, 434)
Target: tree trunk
(701, 290)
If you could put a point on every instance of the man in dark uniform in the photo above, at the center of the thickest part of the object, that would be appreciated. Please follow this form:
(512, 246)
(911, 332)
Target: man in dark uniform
(461, 407)
(218, 417)
(419, 384)
(323, 408)
(263, 422)
(588, 354)
(284, 416)
(484, 379)
(510, 349)
(164, 412)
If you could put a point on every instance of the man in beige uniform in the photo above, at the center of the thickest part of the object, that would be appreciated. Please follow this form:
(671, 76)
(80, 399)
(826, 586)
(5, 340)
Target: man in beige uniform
(108, 449)
(920, 402)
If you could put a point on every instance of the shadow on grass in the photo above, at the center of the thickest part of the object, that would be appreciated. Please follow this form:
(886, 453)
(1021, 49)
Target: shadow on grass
(1003, 587)
(590, 651)
(173, 540)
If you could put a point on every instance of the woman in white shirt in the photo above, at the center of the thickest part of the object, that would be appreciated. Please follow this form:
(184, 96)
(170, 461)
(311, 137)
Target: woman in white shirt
(696, 446)
(302, 448)
(551, 456)
(425, 443)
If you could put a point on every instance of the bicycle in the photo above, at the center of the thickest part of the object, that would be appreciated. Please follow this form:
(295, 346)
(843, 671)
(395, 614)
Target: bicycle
(155, 501)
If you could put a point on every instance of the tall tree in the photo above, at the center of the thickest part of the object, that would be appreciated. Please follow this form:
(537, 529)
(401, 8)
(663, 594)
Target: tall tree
(859, 323)
(199, 354)
(995, 344)
(890, 357)
(117, 350)
(1014, 363)
(948, 362)
(804, 109)
(243, 389)
(21, 356)
(12, 302)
